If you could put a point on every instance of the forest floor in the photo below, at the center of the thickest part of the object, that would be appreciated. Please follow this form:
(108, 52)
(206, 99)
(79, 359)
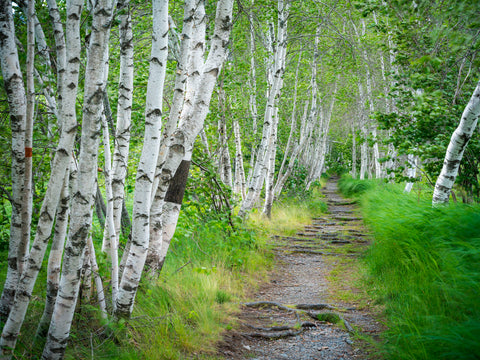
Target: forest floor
(311, 308)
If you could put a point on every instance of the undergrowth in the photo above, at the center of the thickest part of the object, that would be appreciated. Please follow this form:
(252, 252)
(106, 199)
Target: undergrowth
(424, 266)
(213, 259)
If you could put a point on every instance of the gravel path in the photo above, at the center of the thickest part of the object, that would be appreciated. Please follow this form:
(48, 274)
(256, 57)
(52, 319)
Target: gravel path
(270, 332)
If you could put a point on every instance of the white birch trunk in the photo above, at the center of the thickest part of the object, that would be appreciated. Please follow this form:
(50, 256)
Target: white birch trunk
(27, 187)
(240, 183)
(270, 168)
(55, 257)
(304, 136)
(364, 132)
(148, 161)
(175, 169)
(84, 193)
(412, 161)
(261, 165)
(354, 151)
(224, 164)
(124, 114)
(109, 221)
(193, 30)
(97, 278)
(17, 103)
(458, 142)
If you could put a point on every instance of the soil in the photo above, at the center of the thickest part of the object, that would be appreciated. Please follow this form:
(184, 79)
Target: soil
(272, 328)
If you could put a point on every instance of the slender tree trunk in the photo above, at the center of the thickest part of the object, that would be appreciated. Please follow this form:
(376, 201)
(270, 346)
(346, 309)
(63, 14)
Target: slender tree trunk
(124, 114)
(304, 136)
(110, 224)
(224, 164)
(98, 279)
(459, 141)
(17, 103)
(84, 193)
(179, 151)
(60, 164)
(193, 30)
(148, 161)
(354, 150)
(27, 187)
(240, 183)
(259, 171)
(55, 258)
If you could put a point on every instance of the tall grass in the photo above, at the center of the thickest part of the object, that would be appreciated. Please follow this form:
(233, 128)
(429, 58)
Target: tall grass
(289, 214)
(424, 266)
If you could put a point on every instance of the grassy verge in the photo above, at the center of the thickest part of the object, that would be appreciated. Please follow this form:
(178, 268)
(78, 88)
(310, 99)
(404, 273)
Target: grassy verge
(210, 268)
(213, 262)
(424, 267)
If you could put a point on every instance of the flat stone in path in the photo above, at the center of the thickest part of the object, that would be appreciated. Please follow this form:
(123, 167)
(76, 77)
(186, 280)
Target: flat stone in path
(301, 278)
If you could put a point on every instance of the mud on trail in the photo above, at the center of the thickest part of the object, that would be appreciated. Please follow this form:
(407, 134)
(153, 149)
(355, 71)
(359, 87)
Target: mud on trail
(294, 316)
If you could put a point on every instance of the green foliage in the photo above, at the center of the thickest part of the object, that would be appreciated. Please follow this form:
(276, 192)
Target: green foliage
(424, 266)
(435, 47)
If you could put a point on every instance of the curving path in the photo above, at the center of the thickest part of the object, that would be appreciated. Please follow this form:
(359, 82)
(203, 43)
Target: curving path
(291, 317)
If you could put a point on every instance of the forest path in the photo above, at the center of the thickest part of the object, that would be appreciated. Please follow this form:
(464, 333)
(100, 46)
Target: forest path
(292, 316)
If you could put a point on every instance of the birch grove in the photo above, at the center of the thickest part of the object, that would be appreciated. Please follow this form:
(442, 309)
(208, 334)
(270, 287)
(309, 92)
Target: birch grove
(160, 115)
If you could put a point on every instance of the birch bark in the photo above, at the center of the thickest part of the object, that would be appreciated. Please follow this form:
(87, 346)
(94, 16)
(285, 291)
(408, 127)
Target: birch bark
(174, 171)
(60, 164)
(193, 36)
(124, 113)
(264, 150)
(240, 183)
(148, 161)
(84, 190)
(16, 97)
(27, 187)
(459, 141)
(55, 258)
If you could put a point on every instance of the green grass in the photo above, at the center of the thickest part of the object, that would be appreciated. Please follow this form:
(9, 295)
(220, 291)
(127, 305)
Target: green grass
(290, 214)
(424, 267)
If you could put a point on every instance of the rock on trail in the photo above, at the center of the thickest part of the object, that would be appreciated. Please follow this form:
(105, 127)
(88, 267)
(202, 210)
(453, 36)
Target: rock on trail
(291, 317)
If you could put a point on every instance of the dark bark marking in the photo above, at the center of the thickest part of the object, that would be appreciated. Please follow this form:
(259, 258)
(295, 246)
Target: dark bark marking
(176, 190)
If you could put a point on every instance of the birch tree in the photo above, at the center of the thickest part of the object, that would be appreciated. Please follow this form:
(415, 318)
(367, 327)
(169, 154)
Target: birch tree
(456, 148)
(148, 161)
(84, 189)
(174, 171)
(264, 150)
(17, 103)
(60, 164)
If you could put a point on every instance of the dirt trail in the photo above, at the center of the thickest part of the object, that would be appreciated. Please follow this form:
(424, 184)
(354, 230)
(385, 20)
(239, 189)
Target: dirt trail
(270, 331)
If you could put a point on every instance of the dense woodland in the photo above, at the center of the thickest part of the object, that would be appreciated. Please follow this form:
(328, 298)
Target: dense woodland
(123, 121)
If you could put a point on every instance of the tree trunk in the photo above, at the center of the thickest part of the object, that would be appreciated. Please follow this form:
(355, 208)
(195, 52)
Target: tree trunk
(459, 141)
(55, 258)
(124, 115)
(180, 148)
(278, 70)
(60, 164)
(240, 183)
(84, 193)
(193, 30)
(148, 161)
(16, 97)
